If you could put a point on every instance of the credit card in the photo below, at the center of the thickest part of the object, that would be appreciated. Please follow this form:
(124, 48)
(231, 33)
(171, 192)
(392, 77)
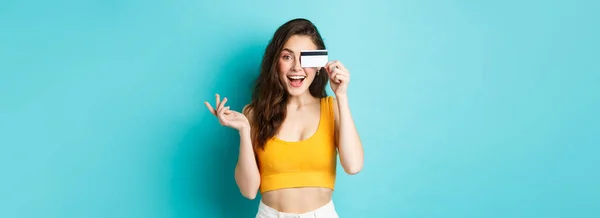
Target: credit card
(313, 58)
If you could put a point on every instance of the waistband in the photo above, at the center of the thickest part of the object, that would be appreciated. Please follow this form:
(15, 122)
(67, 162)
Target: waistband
(325, 211)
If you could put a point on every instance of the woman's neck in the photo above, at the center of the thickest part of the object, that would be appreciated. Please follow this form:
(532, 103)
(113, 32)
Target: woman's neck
(301, 100)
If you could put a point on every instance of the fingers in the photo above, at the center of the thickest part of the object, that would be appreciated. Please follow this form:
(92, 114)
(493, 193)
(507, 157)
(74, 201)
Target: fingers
(332, 76)
(219, 105)
(333, 65)
(338, 74)
(222, 111)
(328, 67)
(218, 97)
(341, 78)
(210, 108)
(223, 103)
(221, 115)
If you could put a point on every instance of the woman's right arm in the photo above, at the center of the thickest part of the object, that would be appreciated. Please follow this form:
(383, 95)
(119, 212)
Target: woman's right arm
(247, 175)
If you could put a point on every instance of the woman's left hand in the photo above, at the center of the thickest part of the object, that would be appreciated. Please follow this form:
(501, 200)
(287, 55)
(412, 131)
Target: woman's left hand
(339, 77)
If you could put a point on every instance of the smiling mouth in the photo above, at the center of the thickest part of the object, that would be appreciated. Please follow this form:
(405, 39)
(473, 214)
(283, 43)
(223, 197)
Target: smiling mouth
(296, 81)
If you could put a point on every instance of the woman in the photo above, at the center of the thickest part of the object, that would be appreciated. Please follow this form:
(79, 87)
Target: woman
(291, 132)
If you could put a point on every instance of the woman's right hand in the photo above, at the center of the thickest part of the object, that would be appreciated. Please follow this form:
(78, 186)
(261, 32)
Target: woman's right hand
(229, 118)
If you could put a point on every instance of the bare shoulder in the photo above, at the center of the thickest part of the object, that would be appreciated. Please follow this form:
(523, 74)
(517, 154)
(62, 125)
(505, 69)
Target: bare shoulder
(247, 111)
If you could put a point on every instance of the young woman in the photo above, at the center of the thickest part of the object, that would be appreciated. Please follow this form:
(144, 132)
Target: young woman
(291, 132)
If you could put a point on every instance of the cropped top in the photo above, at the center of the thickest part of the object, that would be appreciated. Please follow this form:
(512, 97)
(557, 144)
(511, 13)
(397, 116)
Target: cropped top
(307, 163)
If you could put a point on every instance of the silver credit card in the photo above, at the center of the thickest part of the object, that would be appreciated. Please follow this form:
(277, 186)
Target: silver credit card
(313, 58)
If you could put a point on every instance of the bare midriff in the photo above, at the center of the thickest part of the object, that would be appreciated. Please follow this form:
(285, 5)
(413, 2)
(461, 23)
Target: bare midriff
(297, 200)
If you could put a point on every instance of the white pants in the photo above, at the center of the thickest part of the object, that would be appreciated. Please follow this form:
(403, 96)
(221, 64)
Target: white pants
(326, 211)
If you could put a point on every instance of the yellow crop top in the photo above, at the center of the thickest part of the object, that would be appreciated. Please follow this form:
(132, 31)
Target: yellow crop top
(307, 163)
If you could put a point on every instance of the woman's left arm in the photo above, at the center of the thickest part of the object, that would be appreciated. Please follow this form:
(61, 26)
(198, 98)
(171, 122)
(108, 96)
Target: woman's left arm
(349, 144)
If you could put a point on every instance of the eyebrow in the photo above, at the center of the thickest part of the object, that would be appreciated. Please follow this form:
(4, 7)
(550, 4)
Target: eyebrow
(288, 50)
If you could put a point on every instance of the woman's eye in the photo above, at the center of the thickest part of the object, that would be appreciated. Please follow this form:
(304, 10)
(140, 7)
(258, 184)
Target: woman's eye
(286, 57)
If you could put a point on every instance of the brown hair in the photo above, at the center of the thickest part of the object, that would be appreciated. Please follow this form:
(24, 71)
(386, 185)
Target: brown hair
(269, 97)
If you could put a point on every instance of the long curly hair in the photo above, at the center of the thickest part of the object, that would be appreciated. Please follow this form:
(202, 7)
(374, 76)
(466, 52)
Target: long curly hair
(269, 97)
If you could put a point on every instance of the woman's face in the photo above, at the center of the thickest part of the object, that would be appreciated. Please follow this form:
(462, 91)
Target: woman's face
(296, 79)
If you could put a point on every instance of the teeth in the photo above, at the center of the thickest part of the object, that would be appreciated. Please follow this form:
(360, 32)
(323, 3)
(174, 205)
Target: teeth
(296, 77)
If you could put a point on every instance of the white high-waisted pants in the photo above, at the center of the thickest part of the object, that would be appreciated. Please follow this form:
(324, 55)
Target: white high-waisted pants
(326, 211)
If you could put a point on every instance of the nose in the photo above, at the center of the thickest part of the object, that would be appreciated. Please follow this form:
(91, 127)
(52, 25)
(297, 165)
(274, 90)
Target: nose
(297, 67)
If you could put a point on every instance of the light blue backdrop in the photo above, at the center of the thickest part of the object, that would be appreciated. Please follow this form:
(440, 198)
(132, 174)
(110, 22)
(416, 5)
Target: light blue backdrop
(466, 108)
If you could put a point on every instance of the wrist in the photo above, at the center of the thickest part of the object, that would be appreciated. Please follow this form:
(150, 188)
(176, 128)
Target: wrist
(245, 130)
(341, 98)
(341, 95)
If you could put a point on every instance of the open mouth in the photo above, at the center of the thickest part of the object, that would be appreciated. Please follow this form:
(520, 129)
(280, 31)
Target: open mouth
(296, 81)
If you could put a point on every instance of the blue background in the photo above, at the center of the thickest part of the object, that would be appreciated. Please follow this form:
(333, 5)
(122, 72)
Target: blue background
(465, 108)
